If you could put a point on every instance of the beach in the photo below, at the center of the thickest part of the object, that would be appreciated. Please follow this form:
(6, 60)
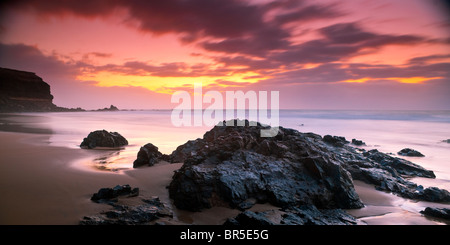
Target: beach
(46, 179)
(40, 185)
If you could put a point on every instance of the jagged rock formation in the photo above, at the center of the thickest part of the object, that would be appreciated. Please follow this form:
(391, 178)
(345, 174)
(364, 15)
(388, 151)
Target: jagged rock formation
(234, 164)
(309, 177)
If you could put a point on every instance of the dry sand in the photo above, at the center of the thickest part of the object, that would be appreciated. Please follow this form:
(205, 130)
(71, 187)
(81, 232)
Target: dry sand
(46, 185)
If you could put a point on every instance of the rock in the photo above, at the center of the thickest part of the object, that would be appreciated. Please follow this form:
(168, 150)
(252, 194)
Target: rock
(358, 142)
(389, 173)
(302, 215)
(410, 153)
(151, 210)
(111, 194)
(249, 218)
(434, 194)
(231, 164)
(443, 213)
(338, 141)
(402, 166)
(103, 138)
(111, 108)
(147, 155)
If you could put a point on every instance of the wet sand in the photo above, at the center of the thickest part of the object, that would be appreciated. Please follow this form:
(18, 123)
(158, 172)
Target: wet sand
(382, 208)
(46, 185)
(39, 185)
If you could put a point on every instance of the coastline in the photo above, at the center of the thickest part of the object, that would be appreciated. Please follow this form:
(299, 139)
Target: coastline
(41, 186)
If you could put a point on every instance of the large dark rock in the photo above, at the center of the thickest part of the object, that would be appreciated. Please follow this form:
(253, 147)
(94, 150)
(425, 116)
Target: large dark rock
(410, 153)
(103, 138)
(232, 164)
(147, 155)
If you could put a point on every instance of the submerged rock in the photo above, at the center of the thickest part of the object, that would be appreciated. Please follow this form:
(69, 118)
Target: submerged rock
(410, 153)
(103, 138)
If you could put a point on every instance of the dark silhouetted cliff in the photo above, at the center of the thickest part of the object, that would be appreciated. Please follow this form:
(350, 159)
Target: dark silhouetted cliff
(22, 91)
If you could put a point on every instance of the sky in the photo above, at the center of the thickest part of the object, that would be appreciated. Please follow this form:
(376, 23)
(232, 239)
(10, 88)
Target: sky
(322, 54)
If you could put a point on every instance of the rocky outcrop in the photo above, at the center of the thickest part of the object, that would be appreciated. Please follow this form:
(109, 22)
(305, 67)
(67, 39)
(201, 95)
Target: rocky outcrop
(232, 164)
(389, 173)
(22, 91)
(103, 138)
(410, 153)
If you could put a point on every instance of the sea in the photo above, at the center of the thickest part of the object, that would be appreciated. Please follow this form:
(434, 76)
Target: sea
(387, 131)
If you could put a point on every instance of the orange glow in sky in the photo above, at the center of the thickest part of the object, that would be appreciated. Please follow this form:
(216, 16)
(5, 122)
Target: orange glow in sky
(161, 47)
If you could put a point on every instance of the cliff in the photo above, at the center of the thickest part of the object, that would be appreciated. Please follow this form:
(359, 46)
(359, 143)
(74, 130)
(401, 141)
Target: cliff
(22, 91)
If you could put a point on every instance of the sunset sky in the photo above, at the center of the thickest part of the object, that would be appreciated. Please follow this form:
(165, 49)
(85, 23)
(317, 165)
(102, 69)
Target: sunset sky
(325, 54)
